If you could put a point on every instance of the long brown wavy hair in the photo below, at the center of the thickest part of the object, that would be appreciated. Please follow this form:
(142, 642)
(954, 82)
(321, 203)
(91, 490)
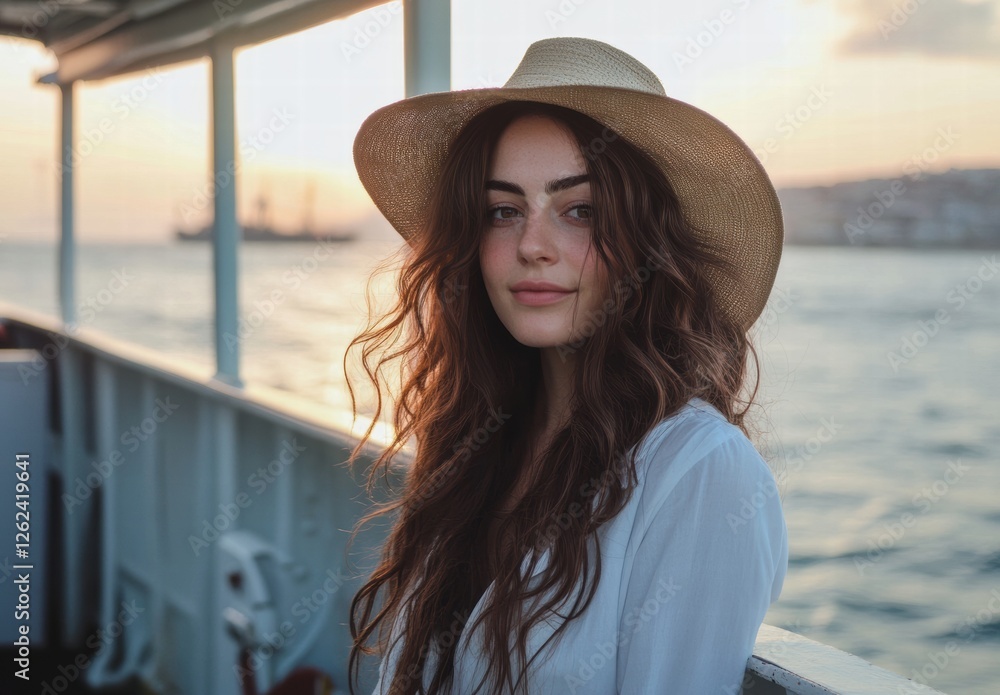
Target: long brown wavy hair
(467, 396)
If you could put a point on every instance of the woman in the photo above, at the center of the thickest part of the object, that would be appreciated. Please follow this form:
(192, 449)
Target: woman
(584, 512)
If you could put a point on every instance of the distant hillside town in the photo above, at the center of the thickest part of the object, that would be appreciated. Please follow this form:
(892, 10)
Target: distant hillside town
(958, 208)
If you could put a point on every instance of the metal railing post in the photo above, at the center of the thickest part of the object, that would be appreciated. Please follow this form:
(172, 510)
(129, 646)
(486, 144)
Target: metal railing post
(226, 236)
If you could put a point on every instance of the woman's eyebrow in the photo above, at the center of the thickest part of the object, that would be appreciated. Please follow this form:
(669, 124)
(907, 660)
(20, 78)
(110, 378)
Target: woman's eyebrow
(550, 187)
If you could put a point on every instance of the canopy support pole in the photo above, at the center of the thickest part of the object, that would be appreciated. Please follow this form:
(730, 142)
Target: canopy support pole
(67, 243)
(227, 234)
(427, 46)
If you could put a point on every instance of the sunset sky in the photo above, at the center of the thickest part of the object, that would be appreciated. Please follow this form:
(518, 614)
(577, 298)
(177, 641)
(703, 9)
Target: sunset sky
(824, 91)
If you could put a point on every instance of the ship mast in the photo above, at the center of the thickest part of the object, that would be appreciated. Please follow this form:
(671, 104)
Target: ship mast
(262, 211)
(307, 213)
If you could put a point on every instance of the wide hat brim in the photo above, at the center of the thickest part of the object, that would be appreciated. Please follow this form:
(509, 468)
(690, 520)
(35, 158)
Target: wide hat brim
(723, 189)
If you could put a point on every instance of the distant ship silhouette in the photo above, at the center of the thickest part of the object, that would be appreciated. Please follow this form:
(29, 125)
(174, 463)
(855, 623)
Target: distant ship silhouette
(254, 233)
(262, 231)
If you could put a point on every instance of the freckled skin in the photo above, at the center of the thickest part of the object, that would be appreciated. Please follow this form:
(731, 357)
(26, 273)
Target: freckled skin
(540, 236)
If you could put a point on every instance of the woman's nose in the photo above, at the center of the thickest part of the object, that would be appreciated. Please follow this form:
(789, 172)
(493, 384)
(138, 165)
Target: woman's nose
(537, 240)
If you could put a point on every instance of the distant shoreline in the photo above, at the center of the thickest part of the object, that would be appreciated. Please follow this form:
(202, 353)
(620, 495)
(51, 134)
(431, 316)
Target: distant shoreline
(959, 208)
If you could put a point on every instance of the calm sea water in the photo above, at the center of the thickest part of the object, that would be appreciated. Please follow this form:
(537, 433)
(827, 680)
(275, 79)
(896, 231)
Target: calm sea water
(881, 381)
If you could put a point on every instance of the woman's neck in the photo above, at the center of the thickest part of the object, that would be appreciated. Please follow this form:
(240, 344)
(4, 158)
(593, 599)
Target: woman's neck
(555, 390)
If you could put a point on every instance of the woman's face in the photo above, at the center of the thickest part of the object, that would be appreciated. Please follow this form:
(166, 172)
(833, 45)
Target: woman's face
(537, 230)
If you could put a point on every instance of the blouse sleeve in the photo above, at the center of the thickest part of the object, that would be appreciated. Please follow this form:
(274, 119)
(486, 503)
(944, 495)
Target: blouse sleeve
(712, 559)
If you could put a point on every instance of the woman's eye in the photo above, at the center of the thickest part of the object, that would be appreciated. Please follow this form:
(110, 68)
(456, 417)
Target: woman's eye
(507, 212)
(586, 210)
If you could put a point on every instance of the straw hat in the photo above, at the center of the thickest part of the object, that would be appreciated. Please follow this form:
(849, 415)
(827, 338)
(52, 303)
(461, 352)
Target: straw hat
(722, 187)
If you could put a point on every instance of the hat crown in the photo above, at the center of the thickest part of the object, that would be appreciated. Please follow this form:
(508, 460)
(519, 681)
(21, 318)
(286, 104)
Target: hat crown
(578, 61)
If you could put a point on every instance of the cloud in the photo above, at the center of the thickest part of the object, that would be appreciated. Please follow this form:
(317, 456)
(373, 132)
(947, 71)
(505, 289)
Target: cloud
(936, 28)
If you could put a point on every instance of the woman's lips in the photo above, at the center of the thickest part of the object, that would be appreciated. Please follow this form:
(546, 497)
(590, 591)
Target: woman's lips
(539, 297)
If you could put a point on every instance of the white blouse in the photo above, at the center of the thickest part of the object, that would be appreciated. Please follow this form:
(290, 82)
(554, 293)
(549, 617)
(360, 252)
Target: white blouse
(689, 568)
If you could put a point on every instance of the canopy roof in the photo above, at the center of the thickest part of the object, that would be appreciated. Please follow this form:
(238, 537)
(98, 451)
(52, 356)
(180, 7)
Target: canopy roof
(94, 39)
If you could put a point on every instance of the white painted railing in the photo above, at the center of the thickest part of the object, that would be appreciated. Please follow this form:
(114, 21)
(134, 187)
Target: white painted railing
(182, 497)
(784, 662)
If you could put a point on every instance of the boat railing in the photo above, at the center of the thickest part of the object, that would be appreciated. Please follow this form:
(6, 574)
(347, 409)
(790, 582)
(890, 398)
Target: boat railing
(197, 518)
